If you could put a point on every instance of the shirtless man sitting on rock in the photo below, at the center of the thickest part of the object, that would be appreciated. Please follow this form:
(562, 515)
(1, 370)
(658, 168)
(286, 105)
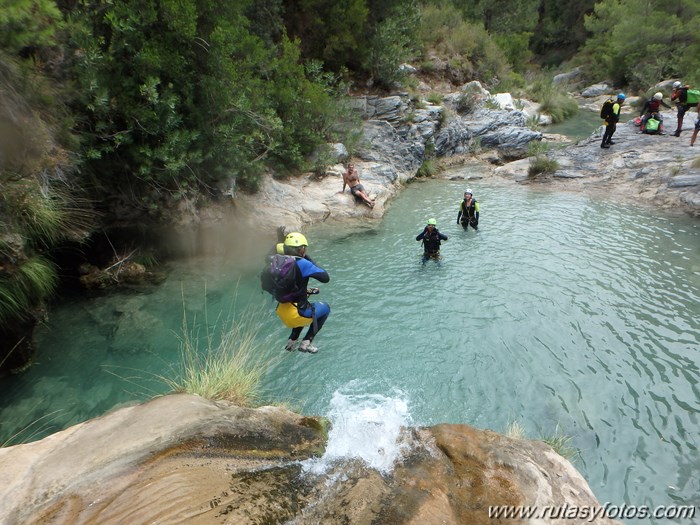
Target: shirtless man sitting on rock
(352, 179)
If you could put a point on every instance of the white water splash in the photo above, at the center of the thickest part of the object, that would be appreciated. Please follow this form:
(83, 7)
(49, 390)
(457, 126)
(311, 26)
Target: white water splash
(366, 427)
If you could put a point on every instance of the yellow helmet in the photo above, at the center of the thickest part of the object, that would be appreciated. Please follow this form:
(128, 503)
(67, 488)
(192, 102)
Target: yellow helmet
(295, 239)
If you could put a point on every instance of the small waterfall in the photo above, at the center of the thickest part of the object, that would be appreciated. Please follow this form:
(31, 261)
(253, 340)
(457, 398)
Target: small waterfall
(365, 427)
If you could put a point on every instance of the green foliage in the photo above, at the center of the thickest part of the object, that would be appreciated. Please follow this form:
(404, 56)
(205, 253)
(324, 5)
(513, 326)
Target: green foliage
(553, 101)
(427, 169)
(28, 23)
(392, 42)
(43, 215)
(515, 47)
(503, 16)
(435, 98)
(560, 30)
(468, 46)
(629, 45)
(179, 96)
(25, 287)
(332, 32)
(540, 162)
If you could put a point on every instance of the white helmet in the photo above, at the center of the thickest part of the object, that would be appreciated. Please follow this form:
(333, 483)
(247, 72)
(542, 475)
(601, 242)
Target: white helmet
(658, 96)
(469, 191)
(676, 84)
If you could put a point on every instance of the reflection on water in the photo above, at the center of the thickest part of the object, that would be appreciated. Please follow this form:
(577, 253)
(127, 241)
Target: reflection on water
(561, 310)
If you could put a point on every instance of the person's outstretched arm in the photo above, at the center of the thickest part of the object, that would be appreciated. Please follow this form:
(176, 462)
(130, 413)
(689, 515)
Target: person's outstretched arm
(309, 269)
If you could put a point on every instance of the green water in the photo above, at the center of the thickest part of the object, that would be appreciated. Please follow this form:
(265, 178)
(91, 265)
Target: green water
(582, 126)
(560, 311)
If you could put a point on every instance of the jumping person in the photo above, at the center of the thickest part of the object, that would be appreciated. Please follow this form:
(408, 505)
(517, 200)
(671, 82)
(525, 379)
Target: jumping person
(468, 211)
(300, 312)
(431, 238)
(352, 179)
(611, 120)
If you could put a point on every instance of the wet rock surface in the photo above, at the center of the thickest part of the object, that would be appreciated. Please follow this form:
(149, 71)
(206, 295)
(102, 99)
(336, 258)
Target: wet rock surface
(182, 459)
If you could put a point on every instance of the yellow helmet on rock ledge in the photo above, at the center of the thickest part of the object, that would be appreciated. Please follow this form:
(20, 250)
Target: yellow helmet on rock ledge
(295, 239)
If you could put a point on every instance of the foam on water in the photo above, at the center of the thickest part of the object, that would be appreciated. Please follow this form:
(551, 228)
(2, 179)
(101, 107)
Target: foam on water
(365, 427)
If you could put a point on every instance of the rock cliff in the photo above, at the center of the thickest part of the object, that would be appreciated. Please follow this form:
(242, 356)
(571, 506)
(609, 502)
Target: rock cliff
(182, 459)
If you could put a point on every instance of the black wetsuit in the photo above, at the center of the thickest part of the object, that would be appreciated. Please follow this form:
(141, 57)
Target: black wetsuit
(468, 215)
(431, 241)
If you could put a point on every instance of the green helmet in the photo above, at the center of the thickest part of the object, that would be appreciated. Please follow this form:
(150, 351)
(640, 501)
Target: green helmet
(295, 239)
(432, 221)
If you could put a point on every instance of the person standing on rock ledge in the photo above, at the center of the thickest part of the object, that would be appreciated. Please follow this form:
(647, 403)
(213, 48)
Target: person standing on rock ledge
(352, 179)
(679, 95)
(612, 116)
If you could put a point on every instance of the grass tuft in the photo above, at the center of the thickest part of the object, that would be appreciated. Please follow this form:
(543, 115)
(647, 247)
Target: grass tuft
(561, 443)
(32, 282)
(227, 363)
(515, 430)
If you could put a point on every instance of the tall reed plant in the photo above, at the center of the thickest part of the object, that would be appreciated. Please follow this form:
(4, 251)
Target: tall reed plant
(226, 363)
(21, 290)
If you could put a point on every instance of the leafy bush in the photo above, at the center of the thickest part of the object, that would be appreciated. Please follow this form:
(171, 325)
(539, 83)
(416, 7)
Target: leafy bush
(178, 97)
(28, 24)
(391, 43)
(630, 47)
(467, 45)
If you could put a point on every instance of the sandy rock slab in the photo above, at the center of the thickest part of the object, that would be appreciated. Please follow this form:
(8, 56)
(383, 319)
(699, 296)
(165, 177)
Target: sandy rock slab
(180, 459)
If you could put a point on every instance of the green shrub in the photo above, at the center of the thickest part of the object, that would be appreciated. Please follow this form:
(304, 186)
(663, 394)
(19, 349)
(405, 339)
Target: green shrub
(540, 163)
(553, 101)
(467, 102)
(467, 45)
(28, 23)
(435, 98)
(427, 169)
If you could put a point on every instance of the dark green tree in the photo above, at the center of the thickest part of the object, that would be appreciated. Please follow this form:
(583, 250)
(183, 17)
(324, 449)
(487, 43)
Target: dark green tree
(639, 42)
(178, 96)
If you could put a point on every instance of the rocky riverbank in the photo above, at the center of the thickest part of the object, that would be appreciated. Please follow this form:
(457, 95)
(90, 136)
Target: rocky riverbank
(182, 459)
(659, 171)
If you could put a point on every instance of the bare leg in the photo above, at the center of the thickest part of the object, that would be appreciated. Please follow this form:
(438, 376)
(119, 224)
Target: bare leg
(695, 134)
(369, 202)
